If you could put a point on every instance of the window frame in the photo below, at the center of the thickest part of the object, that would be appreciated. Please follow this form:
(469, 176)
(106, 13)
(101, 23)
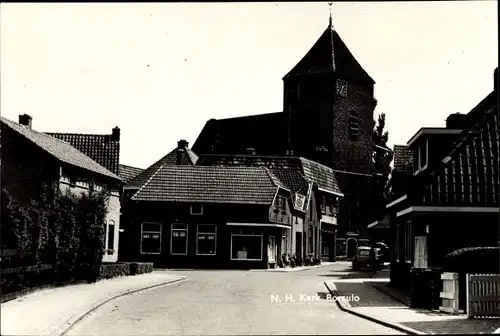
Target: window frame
(161, 238)
(195, 213)
(172, 236)
(246, 235)
(198, 232)
(109, 224)
(408, 242)
(353, 121)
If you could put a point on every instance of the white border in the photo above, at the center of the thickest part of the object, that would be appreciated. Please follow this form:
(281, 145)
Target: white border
(207, 233)
(195, 213)
(161, 234)
(445, 209)
(171, 237)
(432, 131)
(401, 199)
(260, 225)
(331, 192)
(247, 235)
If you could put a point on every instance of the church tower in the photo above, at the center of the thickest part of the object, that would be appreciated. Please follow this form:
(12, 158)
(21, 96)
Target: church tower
(329, 99)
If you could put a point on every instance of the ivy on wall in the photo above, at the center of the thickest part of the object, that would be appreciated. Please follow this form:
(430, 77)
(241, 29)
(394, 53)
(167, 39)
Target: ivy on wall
(66, 229)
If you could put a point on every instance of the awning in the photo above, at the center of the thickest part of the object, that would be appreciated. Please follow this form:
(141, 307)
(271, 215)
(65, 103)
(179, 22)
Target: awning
(260, 225)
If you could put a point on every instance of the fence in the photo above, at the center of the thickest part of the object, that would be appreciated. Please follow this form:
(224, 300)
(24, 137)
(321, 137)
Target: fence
(483, 295)
(449, 295)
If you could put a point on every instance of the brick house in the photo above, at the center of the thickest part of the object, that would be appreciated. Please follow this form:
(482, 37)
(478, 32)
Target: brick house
(207, 217)
(31, 159)
(454, 185)
(105, 150)
(315, 195)
(327, 117)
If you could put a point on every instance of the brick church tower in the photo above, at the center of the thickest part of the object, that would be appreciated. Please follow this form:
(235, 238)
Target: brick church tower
(329, 100)
(327, 117)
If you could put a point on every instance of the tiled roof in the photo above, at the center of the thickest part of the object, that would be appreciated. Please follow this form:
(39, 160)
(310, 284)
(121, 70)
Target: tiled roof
(291, 170)
(293, 179)
(61, 150)
(170, 159)
(127, 173)
(322, 176)
(330, 54)
(99, 147)
(209, 184)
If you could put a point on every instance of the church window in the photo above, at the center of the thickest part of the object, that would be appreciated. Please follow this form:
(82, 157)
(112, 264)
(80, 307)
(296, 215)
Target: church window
(353, 126)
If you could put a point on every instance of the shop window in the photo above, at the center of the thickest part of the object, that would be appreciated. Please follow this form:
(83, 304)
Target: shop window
(246, 247)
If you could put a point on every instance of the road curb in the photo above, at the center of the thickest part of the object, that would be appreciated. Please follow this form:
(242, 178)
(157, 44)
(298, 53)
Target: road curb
(68, 325)
(345, 306)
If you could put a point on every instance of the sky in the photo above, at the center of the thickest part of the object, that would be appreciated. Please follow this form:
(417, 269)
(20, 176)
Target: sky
(161, 71)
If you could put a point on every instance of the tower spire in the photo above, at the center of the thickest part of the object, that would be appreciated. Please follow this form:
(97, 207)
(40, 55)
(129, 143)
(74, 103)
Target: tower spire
(330, 22)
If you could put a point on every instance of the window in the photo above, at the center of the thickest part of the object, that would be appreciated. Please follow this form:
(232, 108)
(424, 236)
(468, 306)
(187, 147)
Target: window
(72, 181)
(408, 242)
(196, 209)
(111, 237)
(206, 239)
(151, 238)
(281, 203)
(246, 247)
(353, 127)
(397, 248)
(311, 242)
(178, 239)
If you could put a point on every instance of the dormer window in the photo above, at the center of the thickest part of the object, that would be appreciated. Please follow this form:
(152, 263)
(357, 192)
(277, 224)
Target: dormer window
(280, 203)
(353, 126)
(421, 156)
(196, 209)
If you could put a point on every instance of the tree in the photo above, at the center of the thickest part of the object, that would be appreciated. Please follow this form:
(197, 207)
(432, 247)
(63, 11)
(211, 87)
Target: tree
(382, 158)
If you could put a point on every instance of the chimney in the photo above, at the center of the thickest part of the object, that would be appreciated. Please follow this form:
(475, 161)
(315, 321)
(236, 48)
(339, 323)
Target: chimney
(181, 150)
(115, 134)
(25, 120)
(457, 121)
(250, 151)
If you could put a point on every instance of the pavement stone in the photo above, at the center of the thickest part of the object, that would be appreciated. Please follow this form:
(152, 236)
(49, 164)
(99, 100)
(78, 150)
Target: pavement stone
(51, 311)
(373, 302)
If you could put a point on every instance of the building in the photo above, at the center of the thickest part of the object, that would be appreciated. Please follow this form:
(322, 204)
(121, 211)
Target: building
(454, 185)
(327, 117)
(31, 159)
(208, 217)
(315, 194)
(128, 173)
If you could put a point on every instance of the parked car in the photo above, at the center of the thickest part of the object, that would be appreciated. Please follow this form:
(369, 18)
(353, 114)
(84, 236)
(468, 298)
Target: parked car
(384, 251)
(367, 257)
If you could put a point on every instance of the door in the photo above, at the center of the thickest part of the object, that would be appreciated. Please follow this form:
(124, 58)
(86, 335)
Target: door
(272, 249)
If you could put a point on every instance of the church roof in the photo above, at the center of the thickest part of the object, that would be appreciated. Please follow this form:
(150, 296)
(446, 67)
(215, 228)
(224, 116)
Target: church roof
(330, 54)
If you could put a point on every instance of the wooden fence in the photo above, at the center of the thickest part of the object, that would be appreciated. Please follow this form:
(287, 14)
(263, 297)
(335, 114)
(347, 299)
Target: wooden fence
(449, 295)
(483, 295)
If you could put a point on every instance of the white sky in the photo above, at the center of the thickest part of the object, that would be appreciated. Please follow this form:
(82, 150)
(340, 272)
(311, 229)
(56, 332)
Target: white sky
(84, 67)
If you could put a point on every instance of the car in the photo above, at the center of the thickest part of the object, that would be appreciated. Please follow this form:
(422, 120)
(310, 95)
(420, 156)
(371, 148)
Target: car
(367, 257)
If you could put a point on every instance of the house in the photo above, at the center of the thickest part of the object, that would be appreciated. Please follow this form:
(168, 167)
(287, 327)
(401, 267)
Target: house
(128, 173)
(452, 198)
(208, 217)
(315, 194)
(327, 117)
(31, 159)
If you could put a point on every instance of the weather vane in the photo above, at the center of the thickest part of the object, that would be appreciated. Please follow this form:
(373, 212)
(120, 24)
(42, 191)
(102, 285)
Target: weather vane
(330, 5)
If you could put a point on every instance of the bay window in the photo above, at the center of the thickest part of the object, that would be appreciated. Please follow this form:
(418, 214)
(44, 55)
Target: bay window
(206, 239)
(151, 238)
(179, 239)
(246, 247)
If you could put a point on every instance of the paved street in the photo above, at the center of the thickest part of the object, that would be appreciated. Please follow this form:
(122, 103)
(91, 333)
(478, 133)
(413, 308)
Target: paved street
(231, 302)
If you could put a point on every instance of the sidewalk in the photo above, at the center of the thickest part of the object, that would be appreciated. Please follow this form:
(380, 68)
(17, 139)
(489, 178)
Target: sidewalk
(379, 307)
(295, 269)
(53, 311)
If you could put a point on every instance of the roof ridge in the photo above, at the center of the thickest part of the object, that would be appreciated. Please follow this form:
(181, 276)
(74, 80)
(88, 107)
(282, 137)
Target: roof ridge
(121, 164)
(246, 116)
(58, 140)
(274, 179)
(317, 163)
(149, 180)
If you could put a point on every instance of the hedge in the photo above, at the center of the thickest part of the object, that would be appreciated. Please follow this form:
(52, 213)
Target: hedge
(140, 268)
(471, 260)
(113, 270)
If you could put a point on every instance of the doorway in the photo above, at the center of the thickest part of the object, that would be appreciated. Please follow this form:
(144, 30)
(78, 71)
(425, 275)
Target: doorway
(272, 250)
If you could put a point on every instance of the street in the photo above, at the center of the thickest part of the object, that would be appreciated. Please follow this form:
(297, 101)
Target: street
(232, 302)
